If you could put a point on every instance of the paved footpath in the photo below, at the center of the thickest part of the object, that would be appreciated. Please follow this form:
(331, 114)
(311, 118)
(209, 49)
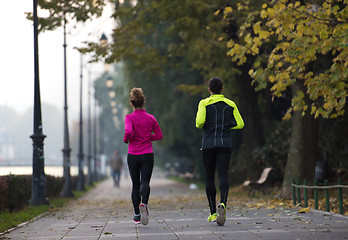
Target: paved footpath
(175, 213)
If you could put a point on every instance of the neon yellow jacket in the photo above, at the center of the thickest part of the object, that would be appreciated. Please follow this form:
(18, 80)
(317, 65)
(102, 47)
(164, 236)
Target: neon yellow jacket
(217, 115)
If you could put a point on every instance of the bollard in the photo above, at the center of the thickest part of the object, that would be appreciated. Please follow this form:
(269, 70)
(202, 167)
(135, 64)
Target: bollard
(298, 193)
(340, 197)
(315, 195)
(305, 193)
(293, 193)
(327, 200)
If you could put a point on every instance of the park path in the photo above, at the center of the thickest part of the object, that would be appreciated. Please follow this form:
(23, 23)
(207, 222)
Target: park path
(176, 212)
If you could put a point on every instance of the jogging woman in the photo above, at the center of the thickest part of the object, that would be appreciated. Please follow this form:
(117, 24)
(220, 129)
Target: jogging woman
(217, 115)
(141, 129)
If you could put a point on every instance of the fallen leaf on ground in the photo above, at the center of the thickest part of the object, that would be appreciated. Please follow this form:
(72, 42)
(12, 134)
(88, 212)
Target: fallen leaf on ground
(304, 210)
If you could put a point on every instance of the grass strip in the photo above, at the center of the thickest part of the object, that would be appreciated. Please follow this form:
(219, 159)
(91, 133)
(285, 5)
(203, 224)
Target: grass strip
(10, 220)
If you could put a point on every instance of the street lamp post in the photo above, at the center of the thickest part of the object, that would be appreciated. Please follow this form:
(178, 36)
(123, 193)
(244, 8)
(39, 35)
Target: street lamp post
(95, 139)
(66, 191)
(80, 155)
(89, 155)
(109, 84)
(97, 160)
(38, 191)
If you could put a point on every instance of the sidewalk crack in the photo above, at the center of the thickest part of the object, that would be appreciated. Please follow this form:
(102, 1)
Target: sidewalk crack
(72, 228)
(171, 229)
(101, 233)
(137, 231)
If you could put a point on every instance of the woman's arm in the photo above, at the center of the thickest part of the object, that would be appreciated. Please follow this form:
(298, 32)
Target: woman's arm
(157, 132)
(128, 129)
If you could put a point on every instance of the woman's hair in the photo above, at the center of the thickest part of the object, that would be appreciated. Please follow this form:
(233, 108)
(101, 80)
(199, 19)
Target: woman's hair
(215, 85)
(137, 97)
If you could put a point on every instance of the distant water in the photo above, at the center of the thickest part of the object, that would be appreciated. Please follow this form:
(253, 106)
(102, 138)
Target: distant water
(56, 171)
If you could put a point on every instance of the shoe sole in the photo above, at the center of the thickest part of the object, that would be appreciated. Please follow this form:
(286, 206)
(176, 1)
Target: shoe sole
(144, 215)
(221, 219)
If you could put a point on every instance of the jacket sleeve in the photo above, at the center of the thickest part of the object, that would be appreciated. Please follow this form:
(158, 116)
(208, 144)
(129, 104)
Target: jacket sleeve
(201, 115)
(157, 132)
(238, 117)
(128, 129)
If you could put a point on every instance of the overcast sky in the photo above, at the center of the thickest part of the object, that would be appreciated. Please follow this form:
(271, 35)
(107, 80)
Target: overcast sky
(17, 58)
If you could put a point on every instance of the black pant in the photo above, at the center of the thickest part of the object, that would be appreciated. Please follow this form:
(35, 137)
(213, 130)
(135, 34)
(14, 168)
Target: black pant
(140, 170)
(216, 158)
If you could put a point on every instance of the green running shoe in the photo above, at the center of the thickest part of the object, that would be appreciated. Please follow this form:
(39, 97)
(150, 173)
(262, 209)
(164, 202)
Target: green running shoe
(221, 218)
(212, 217)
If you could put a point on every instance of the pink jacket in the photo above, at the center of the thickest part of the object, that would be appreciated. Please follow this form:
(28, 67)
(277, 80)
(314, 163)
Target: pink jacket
(140, 129)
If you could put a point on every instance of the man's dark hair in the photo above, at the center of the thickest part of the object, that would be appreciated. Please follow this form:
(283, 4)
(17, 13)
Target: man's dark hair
(215, 85)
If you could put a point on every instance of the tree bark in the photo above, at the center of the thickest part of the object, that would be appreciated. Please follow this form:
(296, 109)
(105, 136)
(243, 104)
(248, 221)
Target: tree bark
(303, 148)
(252, 132)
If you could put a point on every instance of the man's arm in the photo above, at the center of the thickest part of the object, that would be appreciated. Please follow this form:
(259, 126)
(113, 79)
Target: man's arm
(201, 115)
(238, 117)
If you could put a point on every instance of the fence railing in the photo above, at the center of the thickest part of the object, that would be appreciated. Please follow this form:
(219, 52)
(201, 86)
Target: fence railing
(296, 193)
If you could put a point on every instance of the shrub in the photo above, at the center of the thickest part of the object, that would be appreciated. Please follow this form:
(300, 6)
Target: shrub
(4, 192)
(15, 190)
(19, 191)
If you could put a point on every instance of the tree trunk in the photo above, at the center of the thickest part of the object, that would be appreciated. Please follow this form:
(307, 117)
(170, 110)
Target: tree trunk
(252, 132)
(303, 149)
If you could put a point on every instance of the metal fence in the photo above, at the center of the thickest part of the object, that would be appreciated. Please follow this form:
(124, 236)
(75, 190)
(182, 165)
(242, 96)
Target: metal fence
(296, 193)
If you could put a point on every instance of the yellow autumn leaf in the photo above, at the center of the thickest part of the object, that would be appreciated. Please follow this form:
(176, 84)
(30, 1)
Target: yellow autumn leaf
(270, 12)
(228, 10)
(257, 27)
(264, 34)
(304, 210)
(263, 14)
(216, 13)
(264, 5)
(248, 39)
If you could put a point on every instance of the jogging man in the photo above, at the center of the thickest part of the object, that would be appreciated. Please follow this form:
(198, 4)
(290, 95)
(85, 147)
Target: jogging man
(217, 115)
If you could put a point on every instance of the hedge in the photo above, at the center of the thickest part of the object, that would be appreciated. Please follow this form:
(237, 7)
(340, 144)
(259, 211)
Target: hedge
(15, 190)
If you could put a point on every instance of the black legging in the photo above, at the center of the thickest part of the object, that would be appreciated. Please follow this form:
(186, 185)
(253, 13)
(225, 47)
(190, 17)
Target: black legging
(216, 158)
(140, 169)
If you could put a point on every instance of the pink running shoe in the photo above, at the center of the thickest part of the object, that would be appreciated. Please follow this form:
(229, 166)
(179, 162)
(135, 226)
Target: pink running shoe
(144, 211)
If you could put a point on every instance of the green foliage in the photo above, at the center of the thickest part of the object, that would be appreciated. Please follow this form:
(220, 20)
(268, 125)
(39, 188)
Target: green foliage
(19, 191)
(15, 190)
(303, 33)
(58, 10)
(4, 190)
(55, 185)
